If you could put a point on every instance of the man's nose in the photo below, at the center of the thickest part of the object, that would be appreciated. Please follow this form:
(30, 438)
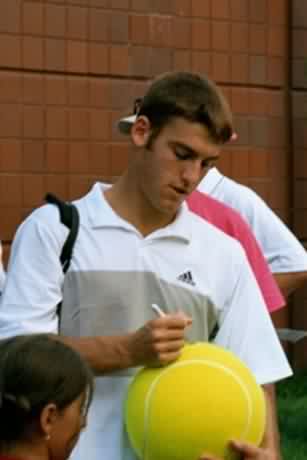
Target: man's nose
(192, 173)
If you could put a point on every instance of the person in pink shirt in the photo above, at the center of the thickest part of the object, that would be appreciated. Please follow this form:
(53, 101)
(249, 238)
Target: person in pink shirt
(230, 222)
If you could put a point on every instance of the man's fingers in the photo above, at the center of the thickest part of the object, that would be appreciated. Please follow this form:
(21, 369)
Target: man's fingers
(244, 448)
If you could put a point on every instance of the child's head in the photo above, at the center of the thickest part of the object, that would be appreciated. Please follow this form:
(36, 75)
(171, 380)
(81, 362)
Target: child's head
(45, 391)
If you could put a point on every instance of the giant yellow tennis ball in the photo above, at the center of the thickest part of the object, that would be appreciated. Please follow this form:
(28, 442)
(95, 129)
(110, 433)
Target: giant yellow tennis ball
(195, 405)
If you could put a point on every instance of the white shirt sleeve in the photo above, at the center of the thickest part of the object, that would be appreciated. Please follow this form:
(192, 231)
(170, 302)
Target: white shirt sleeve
(247, 330)
(282, 250)
(35, 277)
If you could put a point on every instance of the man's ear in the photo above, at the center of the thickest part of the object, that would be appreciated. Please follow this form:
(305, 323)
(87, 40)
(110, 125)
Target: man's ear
(140, 131)
(48, 417)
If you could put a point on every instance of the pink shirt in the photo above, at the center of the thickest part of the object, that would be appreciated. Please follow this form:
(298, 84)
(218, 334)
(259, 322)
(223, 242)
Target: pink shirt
(230, 222)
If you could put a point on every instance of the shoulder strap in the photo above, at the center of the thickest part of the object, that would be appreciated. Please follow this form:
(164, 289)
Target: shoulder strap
(70, 218)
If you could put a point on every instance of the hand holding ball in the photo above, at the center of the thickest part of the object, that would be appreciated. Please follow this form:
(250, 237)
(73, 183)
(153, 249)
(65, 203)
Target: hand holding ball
(197, 404)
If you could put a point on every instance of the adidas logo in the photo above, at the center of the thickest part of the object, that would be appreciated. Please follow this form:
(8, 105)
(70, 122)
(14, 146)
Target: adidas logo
(186, 277)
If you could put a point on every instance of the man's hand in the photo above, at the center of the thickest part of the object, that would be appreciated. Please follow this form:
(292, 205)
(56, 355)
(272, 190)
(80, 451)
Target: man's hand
(159, 341)
(246, 452)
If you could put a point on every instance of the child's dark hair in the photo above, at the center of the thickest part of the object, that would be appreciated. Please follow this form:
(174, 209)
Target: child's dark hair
(190, 96)
(36, 370)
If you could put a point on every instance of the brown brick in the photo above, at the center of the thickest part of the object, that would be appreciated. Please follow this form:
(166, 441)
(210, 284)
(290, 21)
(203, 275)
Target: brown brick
(98, 27)
(119, 60)
(201, 62)
(201, 34)
(259, 132)
(257, 70)
(77, 23)
(299, 13)
(100, 93)
(140, 61)
(33, 89)
(78, 157)
(183, 60)
(241, 126)
(160, 31)
(10, 190)
(55, 20)
(99, 3)
(201, 8)
(77, 56)
(258, 102)
(99, 158)
(56, 157)
(262, 188)
(99, 125)
(277, 71)
(220, 36)
(33, 190)
(119, 4)
(121, 94)
(10, 155)
(10, 87)
(225, 162)
(299, 104)
(78, 124)
(56, 123)
(10, 120)
(220, 9)
(13, 217)
(220, 67)
(161, 60)
(139, 29)
(98, 58)
(239, 68)
(114, 116)
(278, 133)
(182, 7)
(300, 163)
(299, 47)
(240, 162)
(33, 122)
(78, 91)
(33, 156)
(32, 52)
(56, 90)
(119, 158)
(181, 33)
(55, 54)
(141, 5)
(10, 16)
(258, 39)
(239, 37)
(278, 12)
(299, 134)
(119, 27)
(33, 16)
(277, 45)
(239, 10)
(78, 186)
(240, 101)
(57, 184)
(258, 10)
(279, 163)
(10, 51)
(276, 103)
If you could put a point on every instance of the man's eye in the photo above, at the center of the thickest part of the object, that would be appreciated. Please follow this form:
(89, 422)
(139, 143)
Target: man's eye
(180, 154)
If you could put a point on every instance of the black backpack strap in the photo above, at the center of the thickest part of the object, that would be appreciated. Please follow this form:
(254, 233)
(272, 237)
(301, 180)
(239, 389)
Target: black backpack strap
(70, 218)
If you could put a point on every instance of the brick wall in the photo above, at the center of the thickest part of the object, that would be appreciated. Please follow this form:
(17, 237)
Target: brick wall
(298, 91)
(70, 68)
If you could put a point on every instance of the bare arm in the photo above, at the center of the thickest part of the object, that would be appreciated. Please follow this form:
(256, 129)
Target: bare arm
(290, 282)
(158, 342)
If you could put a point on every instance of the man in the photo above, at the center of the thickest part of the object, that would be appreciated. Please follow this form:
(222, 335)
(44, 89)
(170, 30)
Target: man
(285, 255)
(137, 240)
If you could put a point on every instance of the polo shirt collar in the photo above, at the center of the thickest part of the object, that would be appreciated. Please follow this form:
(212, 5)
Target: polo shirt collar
(210, 181)
(102, 215)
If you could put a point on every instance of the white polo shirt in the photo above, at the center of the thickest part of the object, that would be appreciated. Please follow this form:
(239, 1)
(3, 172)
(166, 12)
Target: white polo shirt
(283, 252)
(114, 277)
